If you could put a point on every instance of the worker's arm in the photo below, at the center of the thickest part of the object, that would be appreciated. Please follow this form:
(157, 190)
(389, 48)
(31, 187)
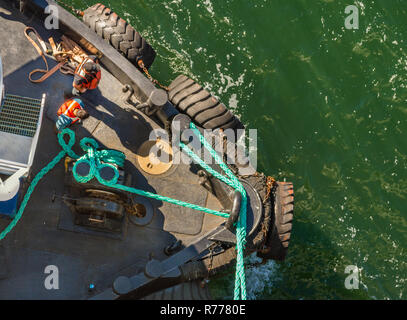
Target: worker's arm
(63, 122)
(78, 83)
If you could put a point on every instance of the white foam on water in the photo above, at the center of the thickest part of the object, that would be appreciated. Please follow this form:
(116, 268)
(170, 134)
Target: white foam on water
(209, 7)
(233, 102)
(260, 278)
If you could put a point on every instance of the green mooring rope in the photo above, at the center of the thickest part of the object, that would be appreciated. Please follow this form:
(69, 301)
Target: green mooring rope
(240, 277)
(99, 159)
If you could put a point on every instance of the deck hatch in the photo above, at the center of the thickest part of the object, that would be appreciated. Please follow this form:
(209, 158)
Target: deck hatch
(20, 115)
(20, 124)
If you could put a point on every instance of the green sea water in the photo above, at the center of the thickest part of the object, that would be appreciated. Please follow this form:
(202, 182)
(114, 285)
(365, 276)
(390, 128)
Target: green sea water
(330, 107)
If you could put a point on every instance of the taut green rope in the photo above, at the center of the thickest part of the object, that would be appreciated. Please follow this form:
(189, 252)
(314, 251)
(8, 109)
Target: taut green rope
(240, 277)
(99, 159)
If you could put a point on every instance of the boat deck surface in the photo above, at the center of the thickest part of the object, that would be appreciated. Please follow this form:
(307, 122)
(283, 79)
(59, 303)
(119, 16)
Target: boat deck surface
(37, 240)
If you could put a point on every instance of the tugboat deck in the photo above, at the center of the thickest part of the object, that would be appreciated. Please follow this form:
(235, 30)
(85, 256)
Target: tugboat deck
(37, 240)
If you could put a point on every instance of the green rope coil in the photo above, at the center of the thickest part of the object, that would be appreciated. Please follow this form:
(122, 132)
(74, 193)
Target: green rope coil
(97, 160)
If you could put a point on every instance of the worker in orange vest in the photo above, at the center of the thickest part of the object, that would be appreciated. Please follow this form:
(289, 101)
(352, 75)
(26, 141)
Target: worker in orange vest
(87, 76)
(70, 112)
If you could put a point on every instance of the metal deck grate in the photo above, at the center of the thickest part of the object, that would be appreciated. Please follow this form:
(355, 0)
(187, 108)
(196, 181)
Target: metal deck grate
(20, 115)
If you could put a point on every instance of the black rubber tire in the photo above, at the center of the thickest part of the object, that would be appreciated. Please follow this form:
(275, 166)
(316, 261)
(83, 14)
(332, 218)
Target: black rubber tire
(205, 110)
(192, 290)
(258, 239)
(119, 34)
(279, 236)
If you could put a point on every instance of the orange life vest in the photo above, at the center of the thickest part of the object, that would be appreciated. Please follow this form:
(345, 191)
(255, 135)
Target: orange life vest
(68, 108)
(80, 71)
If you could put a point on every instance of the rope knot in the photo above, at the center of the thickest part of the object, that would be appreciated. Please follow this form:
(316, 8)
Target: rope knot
(94, 163)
